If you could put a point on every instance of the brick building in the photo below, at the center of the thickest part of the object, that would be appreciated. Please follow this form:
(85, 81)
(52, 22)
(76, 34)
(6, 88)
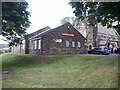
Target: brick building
(64, 39)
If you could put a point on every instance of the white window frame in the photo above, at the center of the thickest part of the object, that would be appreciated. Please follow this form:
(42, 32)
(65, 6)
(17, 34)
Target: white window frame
(73, 43)
(39, 44)
(79, 44)
(35, 43)
(23, 46)
(67, 42)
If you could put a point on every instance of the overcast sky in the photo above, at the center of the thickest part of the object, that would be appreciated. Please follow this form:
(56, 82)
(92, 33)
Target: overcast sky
(48, 13)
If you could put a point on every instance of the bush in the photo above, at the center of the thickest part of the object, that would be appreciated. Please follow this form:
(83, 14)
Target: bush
(1, 52)
(6, 51)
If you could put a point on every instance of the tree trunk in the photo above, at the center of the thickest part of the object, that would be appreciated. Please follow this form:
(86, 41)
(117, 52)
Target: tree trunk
(95, 31)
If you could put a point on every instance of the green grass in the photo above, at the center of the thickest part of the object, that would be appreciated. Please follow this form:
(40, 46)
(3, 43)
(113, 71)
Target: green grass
(60, 71)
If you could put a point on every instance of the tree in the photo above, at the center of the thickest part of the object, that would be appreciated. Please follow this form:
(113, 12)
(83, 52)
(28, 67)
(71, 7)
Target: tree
(67, 19)
(106, 13)
(15, 21)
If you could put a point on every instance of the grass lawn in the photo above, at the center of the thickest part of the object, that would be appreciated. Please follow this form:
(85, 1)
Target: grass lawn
(60, 71)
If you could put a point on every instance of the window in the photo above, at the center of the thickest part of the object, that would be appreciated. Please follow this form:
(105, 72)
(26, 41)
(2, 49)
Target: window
(18, 46)
(35, 44)
(73, 44)
(31, 44)
(79, 44)
(30, 41)
(67, 43)
(68, 26)
(23, 45)
(39, 44)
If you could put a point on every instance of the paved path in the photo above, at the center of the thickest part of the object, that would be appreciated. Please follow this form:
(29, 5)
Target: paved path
(114, 54)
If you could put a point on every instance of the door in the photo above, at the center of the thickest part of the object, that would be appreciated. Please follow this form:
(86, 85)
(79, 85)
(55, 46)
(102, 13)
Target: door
(90, 47)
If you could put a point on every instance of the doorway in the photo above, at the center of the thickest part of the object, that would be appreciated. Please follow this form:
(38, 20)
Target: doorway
(90, 47)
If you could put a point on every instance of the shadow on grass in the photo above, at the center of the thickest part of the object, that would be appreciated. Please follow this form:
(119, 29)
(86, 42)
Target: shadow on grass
(21, 60)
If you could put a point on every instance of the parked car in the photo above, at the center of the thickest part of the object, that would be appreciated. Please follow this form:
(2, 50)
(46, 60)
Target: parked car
(103, 51)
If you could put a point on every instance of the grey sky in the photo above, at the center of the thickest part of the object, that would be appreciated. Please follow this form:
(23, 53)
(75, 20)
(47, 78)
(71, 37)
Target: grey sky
(48, 13)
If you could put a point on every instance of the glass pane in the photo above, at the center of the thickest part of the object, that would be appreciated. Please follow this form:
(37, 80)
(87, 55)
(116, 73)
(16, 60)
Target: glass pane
(35, 44)
(67, 43)
(78, 44)
(73, 44)
(23, 45)
(39, 46)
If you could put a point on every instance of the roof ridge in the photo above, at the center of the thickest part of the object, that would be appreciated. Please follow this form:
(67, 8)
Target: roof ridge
(40, 29)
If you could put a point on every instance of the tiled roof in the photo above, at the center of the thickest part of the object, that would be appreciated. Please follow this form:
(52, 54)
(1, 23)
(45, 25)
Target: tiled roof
(105, 30)
(47, 31)
(47, 28)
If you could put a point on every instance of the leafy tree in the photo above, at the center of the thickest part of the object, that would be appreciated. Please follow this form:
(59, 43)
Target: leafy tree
(15, 21)
(107, 13)
(67, 19)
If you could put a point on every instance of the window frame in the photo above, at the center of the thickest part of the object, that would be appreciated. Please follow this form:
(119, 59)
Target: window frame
(67, 44)
(23, 46)
(78, 44)
(73, 44)
(39, 44)
(35, 44)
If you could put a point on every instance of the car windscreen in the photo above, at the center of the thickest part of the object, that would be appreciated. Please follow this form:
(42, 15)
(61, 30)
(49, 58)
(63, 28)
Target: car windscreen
(98, 49)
